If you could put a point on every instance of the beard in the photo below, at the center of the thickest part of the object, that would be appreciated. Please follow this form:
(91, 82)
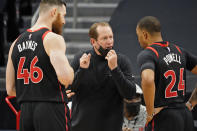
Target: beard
(57, 26)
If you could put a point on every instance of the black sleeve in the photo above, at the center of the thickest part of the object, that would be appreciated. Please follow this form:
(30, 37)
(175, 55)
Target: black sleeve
(77, 70)
(146, 60)
(123, 78)
(191, 60)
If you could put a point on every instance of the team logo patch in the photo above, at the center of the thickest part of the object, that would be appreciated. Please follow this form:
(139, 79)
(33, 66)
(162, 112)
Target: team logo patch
(168, 49)
(30, 36)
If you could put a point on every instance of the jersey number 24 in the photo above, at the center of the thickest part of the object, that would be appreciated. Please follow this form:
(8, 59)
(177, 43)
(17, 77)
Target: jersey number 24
(181, 85)
(24, 74)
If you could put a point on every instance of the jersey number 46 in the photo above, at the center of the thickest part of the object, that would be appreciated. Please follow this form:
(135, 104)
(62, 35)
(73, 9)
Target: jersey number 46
(181, 85)
(24, 74)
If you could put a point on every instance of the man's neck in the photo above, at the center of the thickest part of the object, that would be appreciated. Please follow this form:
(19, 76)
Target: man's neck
(155, 39)
(97, 52)
(42, 22)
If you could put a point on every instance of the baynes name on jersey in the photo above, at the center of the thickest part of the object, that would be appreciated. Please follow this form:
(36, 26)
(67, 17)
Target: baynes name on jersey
(29, 44)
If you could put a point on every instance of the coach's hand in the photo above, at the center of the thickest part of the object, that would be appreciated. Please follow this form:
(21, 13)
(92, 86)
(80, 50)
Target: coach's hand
(69, 93)
(112, 59)
(85, 60)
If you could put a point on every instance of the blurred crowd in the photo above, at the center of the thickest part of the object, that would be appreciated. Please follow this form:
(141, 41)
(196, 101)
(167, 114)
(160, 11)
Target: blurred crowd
(11, 13)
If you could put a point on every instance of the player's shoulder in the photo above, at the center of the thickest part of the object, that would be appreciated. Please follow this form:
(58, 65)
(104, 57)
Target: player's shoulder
(53, 36)
(146, 55)
(52, 39)
(146, 52)
(177, 47)
(16, 40)
(13, 45)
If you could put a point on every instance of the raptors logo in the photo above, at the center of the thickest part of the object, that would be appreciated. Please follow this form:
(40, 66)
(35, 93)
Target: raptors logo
(168, 49)
(30, 36)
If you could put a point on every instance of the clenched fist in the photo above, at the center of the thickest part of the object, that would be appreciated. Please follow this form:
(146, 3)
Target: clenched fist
(85, 60)
(112, 59)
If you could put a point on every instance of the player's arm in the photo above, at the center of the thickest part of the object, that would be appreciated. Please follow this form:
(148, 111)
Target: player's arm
(55, 47)
(147, 66)
(10, 74)
(148, 87)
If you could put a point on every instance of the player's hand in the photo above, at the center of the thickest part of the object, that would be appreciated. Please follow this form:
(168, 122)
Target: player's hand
(85, 60)
(112, 59)
(188, 106)
(156, 111)
(69, 93)
(126, 129)
(148, 119)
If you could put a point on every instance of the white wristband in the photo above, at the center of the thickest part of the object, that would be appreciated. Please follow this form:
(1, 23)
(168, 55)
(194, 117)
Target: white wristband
(190, 105)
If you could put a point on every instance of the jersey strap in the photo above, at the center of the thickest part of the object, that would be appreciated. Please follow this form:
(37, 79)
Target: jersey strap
(45, 34)
(155, 51)
(162, 45)
(30, 30)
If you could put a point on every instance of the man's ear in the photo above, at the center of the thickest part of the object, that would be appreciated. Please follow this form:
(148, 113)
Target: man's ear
(53, 12)
(92, 41)
(145, 34)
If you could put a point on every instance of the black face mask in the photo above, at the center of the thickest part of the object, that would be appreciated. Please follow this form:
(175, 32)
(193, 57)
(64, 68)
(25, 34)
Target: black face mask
(132, 109)
(102, 51)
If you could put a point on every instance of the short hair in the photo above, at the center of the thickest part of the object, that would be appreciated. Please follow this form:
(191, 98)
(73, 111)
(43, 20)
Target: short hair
(93, 29)
(45, 3)
(150, 23)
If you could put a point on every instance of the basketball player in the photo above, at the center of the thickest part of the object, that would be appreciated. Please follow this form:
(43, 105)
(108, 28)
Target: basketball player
(38, 71)
(163, 71)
